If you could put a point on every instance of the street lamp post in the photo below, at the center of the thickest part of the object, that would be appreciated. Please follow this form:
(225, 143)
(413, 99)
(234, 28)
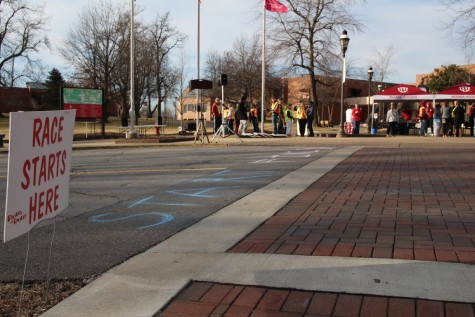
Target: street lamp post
(132, 133)
(370, 77)
(344, 40)
(380, 88)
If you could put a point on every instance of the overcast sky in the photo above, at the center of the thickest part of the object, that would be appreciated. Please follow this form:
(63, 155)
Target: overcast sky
(412, 27)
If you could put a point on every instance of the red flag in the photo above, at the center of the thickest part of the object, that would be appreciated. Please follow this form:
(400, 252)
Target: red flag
(275, 6)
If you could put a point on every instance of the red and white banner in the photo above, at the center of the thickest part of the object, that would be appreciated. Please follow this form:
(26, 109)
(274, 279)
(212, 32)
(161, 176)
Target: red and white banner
(39, 162)
(275, 6)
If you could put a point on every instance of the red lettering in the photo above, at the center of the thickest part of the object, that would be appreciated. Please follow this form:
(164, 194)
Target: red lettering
(60, 129)
(33, 208)
(43, 173)
(51, 164)
(43, 203)
(35, 163)
(54, 125)
(63, 162)
(46, 134)
(36, 131)
(49, 198)
(26, 168)
(42, 169)
(56, 197)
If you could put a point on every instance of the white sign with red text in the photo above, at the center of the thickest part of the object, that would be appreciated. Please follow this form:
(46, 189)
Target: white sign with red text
(39, 162)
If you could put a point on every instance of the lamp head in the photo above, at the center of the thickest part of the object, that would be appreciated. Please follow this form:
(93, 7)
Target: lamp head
(370, 73)
(344, 40)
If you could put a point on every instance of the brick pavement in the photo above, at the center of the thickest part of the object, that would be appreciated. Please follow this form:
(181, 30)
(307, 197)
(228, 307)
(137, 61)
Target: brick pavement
(213, 300)
(379, 203)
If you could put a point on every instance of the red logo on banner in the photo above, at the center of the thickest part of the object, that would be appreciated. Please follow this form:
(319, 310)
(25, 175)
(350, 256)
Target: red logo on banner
(403, 90)
(17, 217)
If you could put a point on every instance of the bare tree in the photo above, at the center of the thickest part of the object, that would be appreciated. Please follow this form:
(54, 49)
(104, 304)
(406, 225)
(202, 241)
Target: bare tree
(462, 23)
(306, 37)
(246, 65)
(381, 63)
(22, 32)
(95, 47)
(242, 64)
(214, 67)
(164, 38)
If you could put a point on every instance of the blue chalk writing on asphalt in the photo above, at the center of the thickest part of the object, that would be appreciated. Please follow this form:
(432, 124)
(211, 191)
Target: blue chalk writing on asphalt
(146, 201)
(164, 218)
(199, 192)
(222, 172)
(222, 179)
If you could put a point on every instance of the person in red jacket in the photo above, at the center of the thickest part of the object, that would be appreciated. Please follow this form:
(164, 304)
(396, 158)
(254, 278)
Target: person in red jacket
(407, 116)
(357, 114)
(430, 116)
(217, 115)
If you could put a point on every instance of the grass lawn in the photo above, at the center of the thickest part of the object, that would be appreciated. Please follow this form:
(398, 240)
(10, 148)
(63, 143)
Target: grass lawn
(93, 130)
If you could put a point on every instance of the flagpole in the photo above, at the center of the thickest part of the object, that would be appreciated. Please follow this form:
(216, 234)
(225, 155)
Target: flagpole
(263, 88)
(198, 67)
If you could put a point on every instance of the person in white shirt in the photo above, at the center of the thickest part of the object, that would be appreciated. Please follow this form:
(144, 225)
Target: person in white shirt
(392, 118)
(349, 121)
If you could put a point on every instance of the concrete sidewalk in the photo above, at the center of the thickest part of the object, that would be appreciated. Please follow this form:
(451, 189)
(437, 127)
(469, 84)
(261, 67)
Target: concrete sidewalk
(363, 231)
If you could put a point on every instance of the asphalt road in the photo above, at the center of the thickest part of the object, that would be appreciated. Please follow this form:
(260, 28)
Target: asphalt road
(124, 201)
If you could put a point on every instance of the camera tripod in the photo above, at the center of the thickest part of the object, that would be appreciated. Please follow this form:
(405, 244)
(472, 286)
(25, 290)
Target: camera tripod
(201, 131)
(221, 132)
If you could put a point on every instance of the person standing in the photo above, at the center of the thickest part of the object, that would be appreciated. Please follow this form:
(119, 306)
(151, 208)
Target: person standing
(392, 118)
(289, 118)
(217, 115)
(349, 121)
(458, 113)
(276, 108)
(231, 114)
(253, 115)
(446, 119)
(423, 118)
(430, 117)
(241, 115)
(301, 119)
(357, 114)
(310, 118)
(407, 116)
(437, 120)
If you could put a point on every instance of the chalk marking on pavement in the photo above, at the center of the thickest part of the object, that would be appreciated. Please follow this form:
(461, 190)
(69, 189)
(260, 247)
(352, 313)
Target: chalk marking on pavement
(222, 172)
(222, 179)
(146, 201)
(199, 192)
(269, 161)
(164, 218)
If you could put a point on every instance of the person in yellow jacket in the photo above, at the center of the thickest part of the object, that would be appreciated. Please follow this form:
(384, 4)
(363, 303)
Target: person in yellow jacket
(276, 108)
(301, 118)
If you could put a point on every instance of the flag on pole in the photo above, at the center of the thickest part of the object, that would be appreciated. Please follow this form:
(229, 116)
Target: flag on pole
(274, 6)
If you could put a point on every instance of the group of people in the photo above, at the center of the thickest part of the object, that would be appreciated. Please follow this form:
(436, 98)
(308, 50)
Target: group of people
(283, 116)
(235, 119)
(354, 116)
(444, 119)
